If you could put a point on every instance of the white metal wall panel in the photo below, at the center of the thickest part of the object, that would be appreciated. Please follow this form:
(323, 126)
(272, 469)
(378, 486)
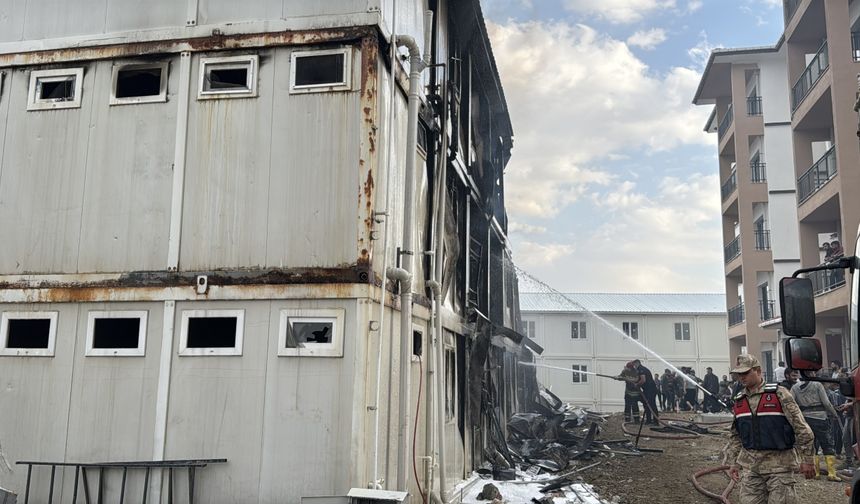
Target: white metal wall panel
(130, 15)
(63, 18)
(221, 11)
(329, 7)
(128, 181)
(314, 185)
(12, 20)
(42, 182)
(34, 400)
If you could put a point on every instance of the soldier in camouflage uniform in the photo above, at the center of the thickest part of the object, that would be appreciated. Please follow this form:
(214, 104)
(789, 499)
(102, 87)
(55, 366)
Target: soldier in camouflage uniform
(769, 439)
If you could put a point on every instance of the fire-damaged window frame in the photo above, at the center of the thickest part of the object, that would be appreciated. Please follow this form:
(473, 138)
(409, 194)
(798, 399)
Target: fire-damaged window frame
(131, 66)
(578, 330)
(579, 378)
(290, 316)
(138, 351)
(37, 77)
(346, 84)
(450, 378)
(682, 331)
(631, 329)
(234, 351)
(47, 351)
(251, 61)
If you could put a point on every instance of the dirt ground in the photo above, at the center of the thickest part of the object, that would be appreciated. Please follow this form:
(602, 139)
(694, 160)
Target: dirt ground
(666, 478)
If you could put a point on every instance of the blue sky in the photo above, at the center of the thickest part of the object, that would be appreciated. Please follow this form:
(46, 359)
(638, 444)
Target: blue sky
(613, 186)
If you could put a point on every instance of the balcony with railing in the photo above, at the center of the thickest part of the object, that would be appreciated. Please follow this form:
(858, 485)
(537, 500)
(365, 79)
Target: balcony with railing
(790, 9)
(729, 185)
(810, 76)
(754, 105)
(758, 172)
(736, 315)
(725, 122)
(815, 177)
(766, 309)
(733, 249)
(762, 239)
(826, 280)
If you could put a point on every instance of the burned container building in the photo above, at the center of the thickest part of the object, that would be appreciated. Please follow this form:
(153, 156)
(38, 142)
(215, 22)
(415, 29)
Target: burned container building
(214, 213)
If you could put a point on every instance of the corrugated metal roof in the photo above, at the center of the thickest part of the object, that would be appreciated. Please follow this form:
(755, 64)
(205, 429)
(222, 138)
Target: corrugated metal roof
(712, 304)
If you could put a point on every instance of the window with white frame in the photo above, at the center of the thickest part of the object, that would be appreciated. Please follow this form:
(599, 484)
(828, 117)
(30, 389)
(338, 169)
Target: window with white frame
(228, 77)
(529, 328)
(28, 334)
(116, 334)
(139, 83)
(682, 331)
(55, 89)
(320, 71)
(578, 330)
(631, 329)
(311, 332)
(211, 332)
(579, 371)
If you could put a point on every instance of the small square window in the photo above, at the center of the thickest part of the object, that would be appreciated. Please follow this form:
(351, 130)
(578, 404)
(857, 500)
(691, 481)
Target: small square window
(228, 77)
(320, 71)
(579, 373)
(682, 331)
(55, 89)
(311, 333)
(578, 330)
(211, 332)
(631, 329)
(139, 83)
(116, 334)
(28, 334)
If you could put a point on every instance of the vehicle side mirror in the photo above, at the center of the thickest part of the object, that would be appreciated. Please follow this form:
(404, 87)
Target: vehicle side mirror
(803, 354)
(797, 306)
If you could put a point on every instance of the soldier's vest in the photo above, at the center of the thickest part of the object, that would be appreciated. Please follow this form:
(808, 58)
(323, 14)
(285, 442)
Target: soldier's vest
(767, 428)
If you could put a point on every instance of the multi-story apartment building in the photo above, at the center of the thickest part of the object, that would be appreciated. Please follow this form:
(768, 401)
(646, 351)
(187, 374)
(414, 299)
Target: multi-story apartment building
(798, 96)
(211, 251)
(685, 329)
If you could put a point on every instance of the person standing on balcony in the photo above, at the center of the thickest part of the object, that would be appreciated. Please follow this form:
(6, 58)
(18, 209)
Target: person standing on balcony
(816, 407)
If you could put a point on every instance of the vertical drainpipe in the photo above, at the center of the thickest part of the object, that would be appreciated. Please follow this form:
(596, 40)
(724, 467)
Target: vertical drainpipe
(417, 64)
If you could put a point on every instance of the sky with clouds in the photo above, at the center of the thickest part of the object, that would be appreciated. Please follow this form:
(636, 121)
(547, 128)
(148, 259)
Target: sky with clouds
(612, 185)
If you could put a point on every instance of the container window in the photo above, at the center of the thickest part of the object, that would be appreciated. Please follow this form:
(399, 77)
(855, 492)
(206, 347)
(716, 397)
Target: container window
(28, 334)
(319, 71)
(55, 89)
(229, 77)
(312, 333)
(211, 332)
(139, 83)
(116, 333)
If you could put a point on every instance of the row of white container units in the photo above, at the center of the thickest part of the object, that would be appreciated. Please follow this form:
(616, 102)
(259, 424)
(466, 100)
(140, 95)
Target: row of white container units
(277, 387)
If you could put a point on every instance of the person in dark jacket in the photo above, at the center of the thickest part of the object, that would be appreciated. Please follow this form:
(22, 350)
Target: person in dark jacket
(668, 385)
(649, 392)
(712, 385)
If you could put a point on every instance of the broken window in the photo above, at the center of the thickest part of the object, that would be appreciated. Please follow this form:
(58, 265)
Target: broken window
(228, 77)
(631, 329)
(311, 332)
(28, 334)
(450, 384)
(317, 71)
(139, 83)
(578, 330)
(682, 331)
(579, 377)
(116, 333)
(55, 89)
(211, 332)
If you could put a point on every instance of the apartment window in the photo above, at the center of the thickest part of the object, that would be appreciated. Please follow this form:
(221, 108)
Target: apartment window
(116, 334)
(682, 331)
(578, 330)
(450, 384)
(319, 71)
(228, 77)
(579, 377)
(211, 332)
(529, 328)
(311, 333)
(28, 334)
(631, 329)
(139, 83)
(55, 89)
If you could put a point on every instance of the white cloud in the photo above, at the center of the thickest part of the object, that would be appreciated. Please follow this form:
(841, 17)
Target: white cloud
(561, 81)
(517, 227)
(694, 5)
(542, 254)
(702, 51)
(618, 11)
(647, 39)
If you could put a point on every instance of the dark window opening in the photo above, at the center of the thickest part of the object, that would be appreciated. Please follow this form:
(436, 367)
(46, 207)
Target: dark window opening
(57, 90)
(228, 78)
(28, 333)
(116, 333)
(301, 332)
(319, 70)
(211, 332)
(417, 343)
(138, 82)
